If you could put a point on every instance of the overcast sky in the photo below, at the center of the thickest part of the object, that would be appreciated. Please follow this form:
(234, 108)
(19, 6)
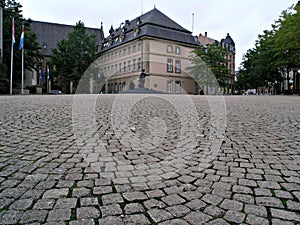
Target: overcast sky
(243, 19)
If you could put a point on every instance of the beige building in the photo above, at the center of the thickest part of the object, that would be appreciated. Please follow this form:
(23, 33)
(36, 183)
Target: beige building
(152, 42)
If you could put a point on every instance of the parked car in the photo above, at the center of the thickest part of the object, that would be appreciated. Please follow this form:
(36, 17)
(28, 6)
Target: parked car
(55, 92)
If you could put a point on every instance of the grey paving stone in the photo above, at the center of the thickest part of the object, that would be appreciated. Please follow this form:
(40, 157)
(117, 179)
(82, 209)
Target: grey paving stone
(134, 196)
(255, 220)
(81, 192)
(173, 199)
(178, 210)
(111, 210)
(232, 205)
(112, 198)
(218, 222)
(159, 215)
(59, 215)
(56, 193)
(256, 210)
(21, 204)
(34, 216)
(196, 204)
(154, 203)
(87, 212)
(214, 211)
(138, 219)
(133, 208)
(269, 201)
(90, 201)
(285, 215)
(233, 216)
(66, 203)
(197, 218)
(10, 216)
(174, 222)
(113, 220)
(211, 199)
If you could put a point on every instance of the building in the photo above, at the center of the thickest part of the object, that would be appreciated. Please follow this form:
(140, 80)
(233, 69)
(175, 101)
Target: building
(229, 44)
(151, 42)
(48, 35)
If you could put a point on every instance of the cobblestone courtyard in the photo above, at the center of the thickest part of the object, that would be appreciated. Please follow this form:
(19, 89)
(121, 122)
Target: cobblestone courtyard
(131, 159)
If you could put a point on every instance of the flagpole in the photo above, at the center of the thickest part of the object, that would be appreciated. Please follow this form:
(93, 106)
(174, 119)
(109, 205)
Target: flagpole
(12, 54)
(23, 70)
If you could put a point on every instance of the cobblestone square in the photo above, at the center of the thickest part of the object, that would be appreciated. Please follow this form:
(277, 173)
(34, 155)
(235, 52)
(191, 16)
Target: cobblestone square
(149, 159)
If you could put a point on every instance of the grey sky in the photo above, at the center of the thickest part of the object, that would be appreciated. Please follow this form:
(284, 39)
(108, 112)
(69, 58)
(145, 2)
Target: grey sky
(243, 19)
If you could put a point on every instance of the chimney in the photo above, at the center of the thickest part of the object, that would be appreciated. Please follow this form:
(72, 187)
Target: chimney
(205, 34)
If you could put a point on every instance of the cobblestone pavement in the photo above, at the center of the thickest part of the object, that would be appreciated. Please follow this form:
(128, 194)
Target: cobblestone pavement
(65, 163)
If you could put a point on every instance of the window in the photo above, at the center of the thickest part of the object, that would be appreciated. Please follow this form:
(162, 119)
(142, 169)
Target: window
(139, 64)
(134, 65)
(129, 50)
(129, 66)
(124, 51)
(116, 68)
(170, 49)
(177, 50)
(104, 71)
(120, 67)
(170, 65)
(139, 46)
(120, 53)
(134, 48)
(124, 67)
(177, 86)
(112, 69)
(177, 66)
(169, 86)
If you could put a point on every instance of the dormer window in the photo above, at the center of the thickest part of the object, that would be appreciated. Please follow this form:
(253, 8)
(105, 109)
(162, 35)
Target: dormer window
(121, 37)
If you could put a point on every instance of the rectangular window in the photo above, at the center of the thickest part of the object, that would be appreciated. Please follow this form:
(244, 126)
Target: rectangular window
(139, 64)
(116, 68)
(134, 48)
(177, 86)
(177, 66)
(129, 66)
(139, 46)
(112, 69)
(120, 67)
(177, 50)
(124, 51)
(170, 49)
(124, 67)
(129, 50)
(170, 66)
(134, 65)
(120, 53)
(169, 84)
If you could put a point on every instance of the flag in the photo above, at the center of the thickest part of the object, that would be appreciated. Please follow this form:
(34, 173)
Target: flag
(13, 32)
(48, 72)
(22, 39)
(42, 74)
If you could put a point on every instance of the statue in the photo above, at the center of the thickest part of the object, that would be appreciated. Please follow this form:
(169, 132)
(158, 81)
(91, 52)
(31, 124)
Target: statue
(142, 78)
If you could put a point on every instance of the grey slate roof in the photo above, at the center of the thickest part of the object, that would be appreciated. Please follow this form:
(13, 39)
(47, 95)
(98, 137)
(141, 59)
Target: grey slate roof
(228, 40)
(152, 24)
(49, 34)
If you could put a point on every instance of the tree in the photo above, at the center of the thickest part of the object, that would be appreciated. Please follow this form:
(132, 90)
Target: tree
(209, 65)
(74, 55)
(31, 48)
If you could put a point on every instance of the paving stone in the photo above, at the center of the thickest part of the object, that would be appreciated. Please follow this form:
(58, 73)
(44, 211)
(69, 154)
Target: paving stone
(214, 211)
(102, 190)
(81, 192)
(242, 189)
(233, 216)
(10, 216)
(292, 205)
(178, 210)
(133, 208)
(134, 196)
(269, 201)
(218, 222)
(56, 193)
(255, 210)
(82, 222)
(244, 198)
(66, 203)
(59, 215)
(283, 194)
(110, 210)
(133, 219)
(173, 199)
(159, 215)
(174, 222)
(89, 201)
(87, 213)
(112, 198)
(232, 205)
(197, 218)
(211, 199)
(285, 215)
(196, 204)
(153, 203)
(262, 192)
(281, 222)
(255, 220)
(155, 193)
(21, 204)
(34, 216)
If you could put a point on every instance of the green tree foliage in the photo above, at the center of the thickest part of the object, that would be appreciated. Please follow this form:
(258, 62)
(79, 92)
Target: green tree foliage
(209, 65)
(31, 48)
(74, 55)
(276, 52)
